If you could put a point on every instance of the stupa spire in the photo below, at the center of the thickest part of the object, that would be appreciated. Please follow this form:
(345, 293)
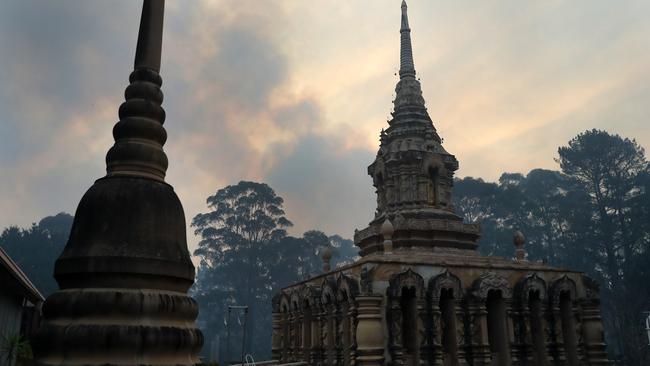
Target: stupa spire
(148, 50)
(407, 67)
(139, 135)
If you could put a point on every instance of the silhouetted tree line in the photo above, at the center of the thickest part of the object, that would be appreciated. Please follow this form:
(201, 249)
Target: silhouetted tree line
(36, 248)
(246, 257)
(593, 215)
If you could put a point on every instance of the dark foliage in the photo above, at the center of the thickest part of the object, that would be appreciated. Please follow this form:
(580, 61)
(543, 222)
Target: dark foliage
(593, 216)
(35, 249)
(246, 257)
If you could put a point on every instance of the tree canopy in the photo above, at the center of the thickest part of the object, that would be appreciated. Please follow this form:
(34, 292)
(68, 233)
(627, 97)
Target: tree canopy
(591, 216)
(246, 257)
(35, 249)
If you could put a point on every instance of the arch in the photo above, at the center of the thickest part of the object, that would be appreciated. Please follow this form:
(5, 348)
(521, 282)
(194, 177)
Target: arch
(309, 296)
(562, 285)
(432, 161)
(406, 280)
(295, 300)
(329, 329)
(446, 291)
(491, 281)
(563, 292)
(328, 292)
(494, 290)
(275, 302)
(434, 168)
(405, 291)
(445, 280)
(530, 284)
(347, 287)
(531, 292)
(285, 304)
(285, 308)
(347, 290)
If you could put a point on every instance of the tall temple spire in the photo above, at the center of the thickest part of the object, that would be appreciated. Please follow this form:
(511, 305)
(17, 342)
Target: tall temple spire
(407, 67)
(125, 271)
(413, 173)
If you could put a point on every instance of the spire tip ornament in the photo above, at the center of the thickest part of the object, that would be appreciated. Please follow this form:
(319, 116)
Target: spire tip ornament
(407, 67)
(139, 135)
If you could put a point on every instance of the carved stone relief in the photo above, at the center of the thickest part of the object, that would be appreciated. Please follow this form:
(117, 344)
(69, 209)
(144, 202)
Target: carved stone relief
(491, 281)
(563, 284)
(445, 280)
(530, 283)
(367, 274)
(406, 279)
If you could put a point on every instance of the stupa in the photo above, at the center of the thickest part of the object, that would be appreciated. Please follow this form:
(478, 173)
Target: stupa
(125, 272)
(421, 294)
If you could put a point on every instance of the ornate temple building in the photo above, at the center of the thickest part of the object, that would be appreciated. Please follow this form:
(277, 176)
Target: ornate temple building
(421, 294)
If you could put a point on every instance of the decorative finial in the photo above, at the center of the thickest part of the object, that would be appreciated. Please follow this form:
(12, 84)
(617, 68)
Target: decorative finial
(326, 256)
(407, 67)
(386, 230)
(139, 135)
(519, 240)
(148, 50)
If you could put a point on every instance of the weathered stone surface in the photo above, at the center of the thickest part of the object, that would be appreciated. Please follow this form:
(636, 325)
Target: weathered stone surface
(126, 270)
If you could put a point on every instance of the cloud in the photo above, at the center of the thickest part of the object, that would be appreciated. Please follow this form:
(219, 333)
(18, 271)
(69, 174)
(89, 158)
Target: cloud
(325, 187)
(294, 93)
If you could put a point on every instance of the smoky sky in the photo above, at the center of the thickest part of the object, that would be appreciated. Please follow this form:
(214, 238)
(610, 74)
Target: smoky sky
(294, 93)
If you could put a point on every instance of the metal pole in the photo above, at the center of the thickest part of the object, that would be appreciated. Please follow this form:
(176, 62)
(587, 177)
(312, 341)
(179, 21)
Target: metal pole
(228, 338)
(243, 338)
(647, 324)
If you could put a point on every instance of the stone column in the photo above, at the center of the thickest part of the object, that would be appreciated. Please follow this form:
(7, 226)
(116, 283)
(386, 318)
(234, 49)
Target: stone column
(338, 327)
(436, 333)
(423, 339)
(314, 354)
(291, 342)
(330, 335)
(276, 340)
(592, 333)
(352, 315)
(286, 335)
(125, 271)
(480, 348)
(580, 344)
(369, 332)
(514, 324)
(556, 344)
(298, 351)
(395, 333)
(324, 328)
(547, 359)
(524, 336)
(461, 338)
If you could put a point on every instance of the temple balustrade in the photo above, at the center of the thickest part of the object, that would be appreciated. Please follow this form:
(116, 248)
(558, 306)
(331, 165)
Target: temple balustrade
(440, 321)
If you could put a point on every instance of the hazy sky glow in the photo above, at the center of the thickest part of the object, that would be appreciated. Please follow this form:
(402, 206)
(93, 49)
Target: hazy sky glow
(294, 92)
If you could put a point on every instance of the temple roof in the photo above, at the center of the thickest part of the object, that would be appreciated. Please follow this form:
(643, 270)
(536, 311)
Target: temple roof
(29, 290)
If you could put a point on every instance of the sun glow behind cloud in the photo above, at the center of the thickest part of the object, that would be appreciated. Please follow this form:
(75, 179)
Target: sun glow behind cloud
(295, 92)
